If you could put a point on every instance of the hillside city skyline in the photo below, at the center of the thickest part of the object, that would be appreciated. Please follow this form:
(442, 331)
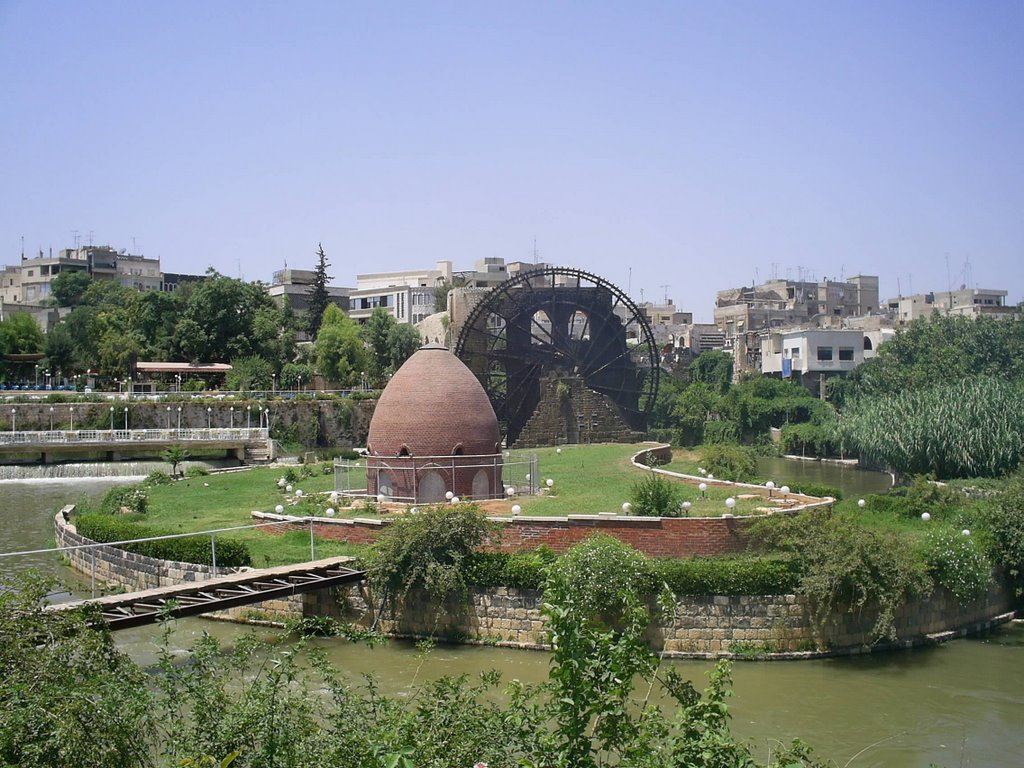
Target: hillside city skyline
(682, 145)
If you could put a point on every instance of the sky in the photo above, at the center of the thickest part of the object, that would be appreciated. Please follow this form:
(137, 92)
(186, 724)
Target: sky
(698, 146)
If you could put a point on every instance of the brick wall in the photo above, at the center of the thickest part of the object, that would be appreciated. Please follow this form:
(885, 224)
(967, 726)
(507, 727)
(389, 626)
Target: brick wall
(656, 536)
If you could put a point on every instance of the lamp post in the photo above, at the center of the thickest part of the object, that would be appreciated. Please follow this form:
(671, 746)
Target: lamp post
(298, 383)
(177, 380)
(168, 417)
(13, 417)
(209, 417)
(231, 417)
(37, 375)
(248, 416)
(179, 418)
(51, 418)
(273, 383)
(111, 418)
(266, 414)
(71, 411)
(126, 418)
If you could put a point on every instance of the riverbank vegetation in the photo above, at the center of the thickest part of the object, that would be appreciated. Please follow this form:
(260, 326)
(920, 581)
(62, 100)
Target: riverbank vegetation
(69, 696)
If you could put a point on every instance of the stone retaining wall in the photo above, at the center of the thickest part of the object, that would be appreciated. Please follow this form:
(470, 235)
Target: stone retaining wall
(700, 627)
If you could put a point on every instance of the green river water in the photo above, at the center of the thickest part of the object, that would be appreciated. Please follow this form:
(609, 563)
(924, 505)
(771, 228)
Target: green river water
(958, 704)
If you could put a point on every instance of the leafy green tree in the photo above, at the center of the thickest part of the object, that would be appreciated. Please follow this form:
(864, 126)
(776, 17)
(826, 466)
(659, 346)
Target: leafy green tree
(249, 373)
(319, 298)
(403, 340)
(713, 368)
(389, 344)
(340, 353)
(20, 334)
(443, 288)
(939, 350)
(174, 456)
(375, 332)
(296, 376)
(68, 288)
(218, 320)
(693, 408)
(69, 695)
(60, 348)
(661, 416)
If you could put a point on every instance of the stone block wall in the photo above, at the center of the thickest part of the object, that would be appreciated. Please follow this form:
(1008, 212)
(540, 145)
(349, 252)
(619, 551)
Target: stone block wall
(700, 626)
(572, 413)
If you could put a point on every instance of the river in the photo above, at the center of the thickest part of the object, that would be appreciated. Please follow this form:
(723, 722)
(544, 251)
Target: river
(961, 703)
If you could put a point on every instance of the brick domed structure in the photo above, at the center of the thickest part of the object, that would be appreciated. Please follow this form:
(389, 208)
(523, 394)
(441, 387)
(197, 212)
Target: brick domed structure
(434, 431)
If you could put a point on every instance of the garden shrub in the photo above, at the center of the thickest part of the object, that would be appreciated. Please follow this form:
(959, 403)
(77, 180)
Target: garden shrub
(1003, 520)
(157, 478)
(846, 567)
(730, 462)
(728, 575)
(816, 489)
(190, 549)
(429, 551)
(922, 495)
(655, 495)
(125, 499)
(957, 562)
(721, 432)
(197, 471)
(520, 570)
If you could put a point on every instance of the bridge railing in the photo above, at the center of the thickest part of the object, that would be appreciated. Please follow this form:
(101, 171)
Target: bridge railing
(92, 547)
(67, 436)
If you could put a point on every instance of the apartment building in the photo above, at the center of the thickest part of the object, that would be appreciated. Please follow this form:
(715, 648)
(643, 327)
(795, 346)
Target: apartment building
(965, 302)
(29, 282)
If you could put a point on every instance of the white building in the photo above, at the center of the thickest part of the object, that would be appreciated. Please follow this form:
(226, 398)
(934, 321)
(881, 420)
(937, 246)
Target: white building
(970, 302)
(810, 355)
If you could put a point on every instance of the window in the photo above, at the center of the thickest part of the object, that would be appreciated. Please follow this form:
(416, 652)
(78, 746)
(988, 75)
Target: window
(796, 353)
(846, 353)
(824, 353)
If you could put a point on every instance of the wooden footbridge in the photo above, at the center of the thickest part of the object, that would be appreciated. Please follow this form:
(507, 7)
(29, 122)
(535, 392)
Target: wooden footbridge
(243, 588)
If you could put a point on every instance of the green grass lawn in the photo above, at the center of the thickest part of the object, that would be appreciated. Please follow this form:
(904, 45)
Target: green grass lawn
(228, 499)
(588, 479)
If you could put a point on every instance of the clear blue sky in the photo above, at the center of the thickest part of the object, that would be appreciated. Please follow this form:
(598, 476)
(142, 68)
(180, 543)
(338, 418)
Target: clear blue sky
(697, 143)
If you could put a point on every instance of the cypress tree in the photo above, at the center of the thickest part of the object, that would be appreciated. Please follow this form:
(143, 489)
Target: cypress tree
(318, 296)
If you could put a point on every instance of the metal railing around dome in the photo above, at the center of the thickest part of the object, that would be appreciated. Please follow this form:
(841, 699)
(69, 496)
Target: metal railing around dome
(520, 473)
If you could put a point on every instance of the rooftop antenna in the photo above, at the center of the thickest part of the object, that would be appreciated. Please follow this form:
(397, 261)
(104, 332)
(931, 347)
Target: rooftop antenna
(75, 232)
(629, 284)
(665, 288)
(134, 249)
(949, 280)
(535, 251)
(90, 238)
(22, 247)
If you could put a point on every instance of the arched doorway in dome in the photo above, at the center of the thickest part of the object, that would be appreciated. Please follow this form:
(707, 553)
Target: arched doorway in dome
(481, 485)
(430, 488)
(385, 484)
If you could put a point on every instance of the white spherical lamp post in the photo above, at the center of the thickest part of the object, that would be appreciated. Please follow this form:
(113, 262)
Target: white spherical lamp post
(926, 516)
(279, 509)
(861, 503)
(449, 495)
(703, 488)
(516, 509)
(626, 508)
(770, 485)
